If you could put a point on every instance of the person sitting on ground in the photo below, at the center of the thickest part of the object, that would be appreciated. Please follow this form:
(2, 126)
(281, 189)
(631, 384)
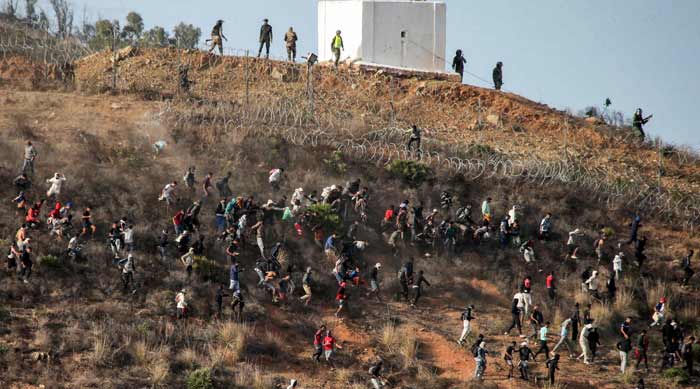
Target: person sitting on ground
(659, 312)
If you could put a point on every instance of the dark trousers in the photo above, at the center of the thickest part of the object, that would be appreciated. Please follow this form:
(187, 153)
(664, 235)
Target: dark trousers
(410, 143)
(127, 278)
(515, 323)
(404, 289)
(543, 349)
(318, 351)
(292, 53)
(336, 53)
(267, 48)
(641, 355)
(417, 296)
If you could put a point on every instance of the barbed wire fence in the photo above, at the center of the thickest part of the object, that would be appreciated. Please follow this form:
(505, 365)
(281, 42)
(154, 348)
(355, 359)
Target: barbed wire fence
(299, 117)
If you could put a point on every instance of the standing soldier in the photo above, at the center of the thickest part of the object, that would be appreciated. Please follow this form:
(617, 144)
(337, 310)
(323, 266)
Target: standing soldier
(458, 65)
(638, 121)
(498, 76)
(337, 46)
(290, 38)
(217, 37)
(265, 38)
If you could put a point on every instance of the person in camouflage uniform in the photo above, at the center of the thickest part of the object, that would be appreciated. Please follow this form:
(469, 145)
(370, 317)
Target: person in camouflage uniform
(217, 37)
(290, 38)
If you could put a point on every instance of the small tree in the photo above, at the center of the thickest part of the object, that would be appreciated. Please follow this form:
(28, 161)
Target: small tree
(324, 215)
(102, 35)
(9, 8)
(411, 172)
(134, 27)
(155, 37)
(187, 36)
(63, 10)
(43, 22)
(30, 11)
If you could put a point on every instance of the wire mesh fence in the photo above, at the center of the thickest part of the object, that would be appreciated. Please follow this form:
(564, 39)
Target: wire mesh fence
(287, 101)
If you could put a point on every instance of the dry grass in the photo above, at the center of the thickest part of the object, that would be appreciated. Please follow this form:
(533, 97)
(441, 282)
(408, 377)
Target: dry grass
(402, 342)
(140, 352)
(234, 336)
(603, 314)
(251, 376)
(158, 371)
(101, 349)
(624, 302)
(662, 289)
(189, 357)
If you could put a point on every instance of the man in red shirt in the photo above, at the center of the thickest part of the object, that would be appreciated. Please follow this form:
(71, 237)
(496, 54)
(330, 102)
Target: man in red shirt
(388, 216)
(318, 341)
(177, 221)
(340, 296)
(329, 344)
(550, 283)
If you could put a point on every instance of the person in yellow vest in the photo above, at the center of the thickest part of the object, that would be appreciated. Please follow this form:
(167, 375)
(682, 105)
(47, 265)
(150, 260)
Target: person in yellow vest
(337, 46)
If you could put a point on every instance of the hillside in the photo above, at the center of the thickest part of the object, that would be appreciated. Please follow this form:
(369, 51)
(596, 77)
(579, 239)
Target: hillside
(72, 326)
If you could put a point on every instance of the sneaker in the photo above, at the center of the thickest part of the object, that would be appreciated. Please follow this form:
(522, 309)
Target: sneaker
(25, 281)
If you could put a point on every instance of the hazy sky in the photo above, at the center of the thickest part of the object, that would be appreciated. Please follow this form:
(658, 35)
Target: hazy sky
(573, 53)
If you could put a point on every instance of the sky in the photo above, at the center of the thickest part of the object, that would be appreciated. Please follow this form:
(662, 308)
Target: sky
(567, 54)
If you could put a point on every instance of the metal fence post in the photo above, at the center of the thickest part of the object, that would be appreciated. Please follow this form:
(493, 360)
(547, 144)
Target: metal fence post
(247, 79)
(115, 33)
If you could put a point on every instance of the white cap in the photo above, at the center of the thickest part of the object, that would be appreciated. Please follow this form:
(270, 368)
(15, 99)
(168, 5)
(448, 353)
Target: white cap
(378, 265)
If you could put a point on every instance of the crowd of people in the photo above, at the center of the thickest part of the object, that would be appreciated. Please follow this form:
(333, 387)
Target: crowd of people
(255, 235)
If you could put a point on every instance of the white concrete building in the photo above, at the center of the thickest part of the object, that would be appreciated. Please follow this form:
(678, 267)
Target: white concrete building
(400, 33)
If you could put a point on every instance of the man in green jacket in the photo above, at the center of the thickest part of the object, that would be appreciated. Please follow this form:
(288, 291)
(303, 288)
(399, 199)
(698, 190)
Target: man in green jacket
(265, 38)
(337, 46)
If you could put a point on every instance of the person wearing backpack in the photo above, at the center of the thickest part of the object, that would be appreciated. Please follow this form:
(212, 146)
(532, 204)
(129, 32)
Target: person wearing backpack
(480, 359)
(624, 346)
(475, 347)
(525, 353)
(552, 367)
(515, 314)
(466, 318)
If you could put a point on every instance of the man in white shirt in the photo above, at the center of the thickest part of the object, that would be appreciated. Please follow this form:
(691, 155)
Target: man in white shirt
(617, 265)
(129, 238)
(181, 304)
(168, 193)
(56, 184)
(275, 178)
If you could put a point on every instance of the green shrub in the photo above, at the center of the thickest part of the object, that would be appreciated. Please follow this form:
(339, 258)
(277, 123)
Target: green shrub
(335, 163)
(411, 172)
(677, 375)
(324, 215)
(4, 315)
(608, 232)
(208, 270)
(200, 379)
(4, 349)
(51, 262)
(480, 151)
